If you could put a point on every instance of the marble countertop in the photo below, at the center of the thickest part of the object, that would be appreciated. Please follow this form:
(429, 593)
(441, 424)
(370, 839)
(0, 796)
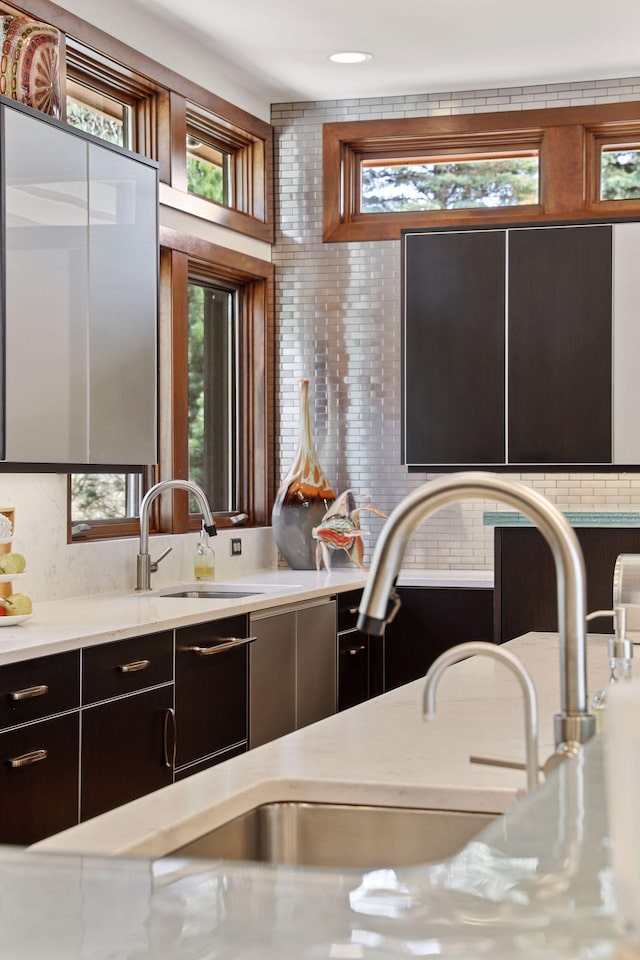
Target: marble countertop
(59, 625)
(536, 883)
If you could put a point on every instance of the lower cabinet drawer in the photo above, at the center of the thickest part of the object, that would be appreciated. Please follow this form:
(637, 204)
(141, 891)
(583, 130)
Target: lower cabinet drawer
(212, 681)
(127, 749)
(33, 689)
(39, 779)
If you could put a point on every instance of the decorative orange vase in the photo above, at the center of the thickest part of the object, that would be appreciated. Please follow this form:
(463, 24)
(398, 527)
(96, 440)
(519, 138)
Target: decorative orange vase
(303, 497)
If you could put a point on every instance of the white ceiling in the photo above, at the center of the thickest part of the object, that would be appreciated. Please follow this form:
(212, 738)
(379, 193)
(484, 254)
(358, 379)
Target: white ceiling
(280, 47)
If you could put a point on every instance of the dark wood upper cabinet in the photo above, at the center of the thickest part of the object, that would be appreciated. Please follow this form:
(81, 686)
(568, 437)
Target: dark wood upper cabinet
(454, 347)
(508, 347)
(559, 354)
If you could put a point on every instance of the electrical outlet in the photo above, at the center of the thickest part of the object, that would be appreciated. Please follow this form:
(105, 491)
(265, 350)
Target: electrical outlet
(236, 546)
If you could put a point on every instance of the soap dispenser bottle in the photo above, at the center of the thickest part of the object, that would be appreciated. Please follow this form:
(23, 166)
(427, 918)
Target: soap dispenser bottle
(204, 564)
(620, 660)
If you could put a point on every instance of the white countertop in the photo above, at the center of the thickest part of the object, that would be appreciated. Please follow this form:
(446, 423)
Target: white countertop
(59, 625)
(536, 884)
(378, 752)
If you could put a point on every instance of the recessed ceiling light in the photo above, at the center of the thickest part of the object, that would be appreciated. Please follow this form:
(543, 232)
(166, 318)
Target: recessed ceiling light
(350, 56)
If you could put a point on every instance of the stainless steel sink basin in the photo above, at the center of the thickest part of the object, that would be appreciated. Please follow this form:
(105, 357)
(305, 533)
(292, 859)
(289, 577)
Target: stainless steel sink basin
(339, 835)
(212, 594)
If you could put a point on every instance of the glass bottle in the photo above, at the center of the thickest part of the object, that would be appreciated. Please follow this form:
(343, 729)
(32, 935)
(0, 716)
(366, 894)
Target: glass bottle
(620, 661)
(204, 564)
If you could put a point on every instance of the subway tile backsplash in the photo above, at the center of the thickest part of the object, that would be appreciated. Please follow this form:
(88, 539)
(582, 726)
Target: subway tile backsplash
(338, 323)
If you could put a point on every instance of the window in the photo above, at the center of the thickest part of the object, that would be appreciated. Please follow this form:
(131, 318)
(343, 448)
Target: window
(564, 163)
(213, 403)
(449, 182)
(98, 113)
(110, 101)
(208, 170)
(214, 360)
(620, 172)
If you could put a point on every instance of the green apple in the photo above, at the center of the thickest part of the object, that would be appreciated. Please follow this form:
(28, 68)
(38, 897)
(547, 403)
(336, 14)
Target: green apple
(18, 604)
(12, 563)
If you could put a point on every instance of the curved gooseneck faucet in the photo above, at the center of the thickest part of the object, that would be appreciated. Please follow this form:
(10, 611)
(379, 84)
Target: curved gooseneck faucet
(574, 725)
(480, 648)
(144, 567)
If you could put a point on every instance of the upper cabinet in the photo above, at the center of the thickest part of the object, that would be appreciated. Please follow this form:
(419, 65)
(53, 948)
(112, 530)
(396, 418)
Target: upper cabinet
(521, 347)
(80, 297)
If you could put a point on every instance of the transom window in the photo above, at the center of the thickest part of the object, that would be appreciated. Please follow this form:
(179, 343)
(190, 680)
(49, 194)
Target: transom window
(100, 114)
(208, 169)
(449, 182)
(620, 172)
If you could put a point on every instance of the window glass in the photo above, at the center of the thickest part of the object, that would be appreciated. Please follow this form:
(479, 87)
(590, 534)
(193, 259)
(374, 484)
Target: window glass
(104, 496)
(620, 173)
(212, 393)
(208, 170)
(449, 183)
(96, 113)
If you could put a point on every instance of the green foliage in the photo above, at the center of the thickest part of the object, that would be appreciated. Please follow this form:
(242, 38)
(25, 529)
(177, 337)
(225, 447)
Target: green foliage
(620, 174)
(205, 179)
(98, 496)
(450, 185)
(195, 308)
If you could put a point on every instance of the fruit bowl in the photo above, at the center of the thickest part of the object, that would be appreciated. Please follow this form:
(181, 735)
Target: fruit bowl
(14, 621)
(8, 577)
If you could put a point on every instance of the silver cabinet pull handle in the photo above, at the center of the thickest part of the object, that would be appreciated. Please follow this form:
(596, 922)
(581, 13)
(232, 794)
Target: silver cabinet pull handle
(229, 644)
(170, 758)
(35, 756)
(353, 650)
(29, 692)
(134, 666)
(352, 610)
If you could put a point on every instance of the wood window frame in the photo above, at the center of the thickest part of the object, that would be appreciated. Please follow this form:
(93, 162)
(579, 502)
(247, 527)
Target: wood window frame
(255, 217)
(113, 529)
(179, 255)
(250, 146)
(566, 137)
(598, 136)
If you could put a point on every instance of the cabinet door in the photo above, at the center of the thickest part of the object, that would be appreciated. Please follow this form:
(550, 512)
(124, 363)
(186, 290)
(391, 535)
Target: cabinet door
(126, 749)
(123, 292)
(39, 779)
(559, 320)
(353, 668)
(46, 289)
(211, 689)
(454, 330)
(429, 621)
(316, 663)
(273, 677)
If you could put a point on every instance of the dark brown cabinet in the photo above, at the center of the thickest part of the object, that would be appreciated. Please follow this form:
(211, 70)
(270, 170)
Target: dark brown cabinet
(126, 749)
(431, 620)
(525, 578)
(212, 691)
(360, 656)
(507, 347)
(128, 729)
(39, 745)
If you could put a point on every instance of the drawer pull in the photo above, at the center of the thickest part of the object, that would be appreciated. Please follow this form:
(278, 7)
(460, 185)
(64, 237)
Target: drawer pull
(29, 692)
(170, 755)
(134, 666)
(353, 650)
(35, 756)
(353, 610)
(231, 644)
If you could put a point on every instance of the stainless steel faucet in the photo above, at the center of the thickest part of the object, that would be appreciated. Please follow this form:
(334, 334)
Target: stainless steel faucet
(145, 565)
(574, 725)
(479, 648)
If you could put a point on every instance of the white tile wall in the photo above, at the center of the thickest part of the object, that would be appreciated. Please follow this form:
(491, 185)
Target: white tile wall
(338, 323)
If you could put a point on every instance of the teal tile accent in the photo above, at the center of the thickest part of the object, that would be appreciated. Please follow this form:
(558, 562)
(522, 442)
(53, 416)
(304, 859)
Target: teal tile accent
(511, 518)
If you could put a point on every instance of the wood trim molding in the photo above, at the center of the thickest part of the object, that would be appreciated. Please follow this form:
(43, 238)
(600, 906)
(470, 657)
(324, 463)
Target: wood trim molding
(215, 213)
(566, 173)
(180, 254)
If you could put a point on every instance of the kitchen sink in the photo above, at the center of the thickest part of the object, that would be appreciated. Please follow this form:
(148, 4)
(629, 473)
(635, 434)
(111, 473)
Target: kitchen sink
(339, 835)
(211, 591)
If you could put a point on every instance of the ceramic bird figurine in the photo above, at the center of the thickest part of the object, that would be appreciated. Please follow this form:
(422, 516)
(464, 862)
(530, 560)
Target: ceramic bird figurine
(340, 530)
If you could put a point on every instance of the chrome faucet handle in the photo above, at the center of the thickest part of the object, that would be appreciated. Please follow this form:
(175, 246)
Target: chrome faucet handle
(153, 566)
(463, 650)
